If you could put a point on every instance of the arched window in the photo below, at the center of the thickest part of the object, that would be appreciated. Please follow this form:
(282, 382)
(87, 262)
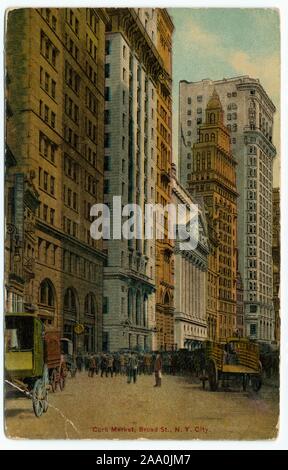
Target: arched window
(212, 118)
(46, 293)
(166, 299)
(206, 137)
(70, 301)
(90, 305)
(213, 137)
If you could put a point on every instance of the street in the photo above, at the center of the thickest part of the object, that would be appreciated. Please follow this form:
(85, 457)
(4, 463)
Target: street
(109, 408)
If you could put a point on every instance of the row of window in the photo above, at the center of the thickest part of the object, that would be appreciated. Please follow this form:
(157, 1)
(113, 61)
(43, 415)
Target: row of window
(46, 181)
(91, 130)
(72, 78)
(46, 213)
(47, 148)
(47, 114)
(71, 109)
(91, 47)
(71, 47)
(199, 99)
(90, 184)
(47, 83)
(91, 73)
(48, 49)
(79, 266)
(90, 155)
(71, 168)
(48, 17)
(71, 137)
(70, 198)
(92, 20)
(70, 227)
(91, 102)
(72, 20)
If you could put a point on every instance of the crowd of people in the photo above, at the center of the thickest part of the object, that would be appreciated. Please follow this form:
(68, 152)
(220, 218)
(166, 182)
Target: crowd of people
(133, 364)
(130, 364)
(181, 362)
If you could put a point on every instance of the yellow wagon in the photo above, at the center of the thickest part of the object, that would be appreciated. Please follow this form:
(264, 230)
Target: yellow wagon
(236, 357)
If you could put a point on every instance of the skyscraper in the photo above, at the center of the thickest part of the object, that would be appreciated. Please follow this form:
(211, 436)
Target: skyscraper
(249, 118)
(213, 177)
(131, 69)
(55, 131)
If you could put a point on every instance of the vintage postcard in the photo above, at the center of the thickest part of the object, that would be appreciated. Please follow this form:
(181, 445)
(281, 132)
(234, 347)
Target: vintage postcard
(142, 223)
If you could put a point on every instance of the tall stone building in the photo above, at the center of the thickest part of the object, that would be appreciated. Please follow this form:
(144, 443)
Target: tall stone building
(240, 329)
(213, 176)
(55, 131)
(191, 266)
(212, 281)
(249, 117)
(276, 262)
(164, 246)
(132, 70)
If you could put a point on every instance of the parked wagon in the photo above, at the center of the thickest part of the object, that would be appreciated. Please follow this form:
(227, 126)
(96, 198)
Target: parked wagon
(67, 351)
(238, 357)
(33, 360)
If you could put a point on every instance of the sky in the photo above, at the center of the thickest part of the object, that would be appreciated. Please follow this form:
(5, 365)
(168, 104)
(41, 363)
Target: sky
(221, 43)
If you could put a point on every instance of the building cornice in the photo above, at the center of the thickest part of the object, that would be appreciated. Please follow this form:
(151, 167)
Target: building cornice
(138, 38)
(54, 232)
(102, 14)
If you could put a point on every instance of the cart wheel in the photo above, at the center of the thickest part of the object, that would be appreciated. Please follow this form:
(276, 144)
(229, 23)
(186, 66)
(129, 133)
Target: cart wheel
(45, 401)
(212, 375)
(39, 397)
(53, 380)
(256, 381)
(245, 380)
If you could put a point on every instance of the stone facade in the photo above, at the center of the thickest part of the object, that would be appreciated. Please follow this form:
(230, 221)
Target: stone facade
(190, 280)
(164, 247)
(213, 176)
(55, 130)
(249, 117)
(132, 67)
(276, 262)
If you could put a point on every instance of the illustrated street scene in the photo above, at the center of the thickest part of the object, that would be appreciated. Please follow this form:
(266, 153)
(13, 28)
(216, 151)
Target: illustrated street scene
(142, 223)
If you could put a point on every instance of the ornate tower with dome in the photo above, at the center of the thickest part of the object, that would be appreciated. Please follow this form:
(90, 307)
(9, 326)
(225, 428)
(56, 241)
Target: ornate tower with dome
(213, 177)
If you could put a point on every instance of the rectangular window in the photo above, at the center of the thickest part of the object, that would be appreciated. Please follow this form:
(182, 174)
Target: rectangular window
(47, 82)
(253, 329)
(107, 140)
(46, 113)
(107, 163)
(107, 93)
(53, 89)
(107, 70)
(52, 185)
(105, 304)
(54, 23)
(45, 185)
(45, 212)
(106, 116)
(107, 47)
(52, 153)
(53, 119)
(106, 186)
(52, 216)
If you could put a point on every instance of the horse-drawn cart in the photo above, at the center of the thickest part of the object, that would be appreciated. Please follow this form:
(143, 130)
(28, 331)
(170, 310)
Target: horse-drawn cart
(238, 357)
(33, 360)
